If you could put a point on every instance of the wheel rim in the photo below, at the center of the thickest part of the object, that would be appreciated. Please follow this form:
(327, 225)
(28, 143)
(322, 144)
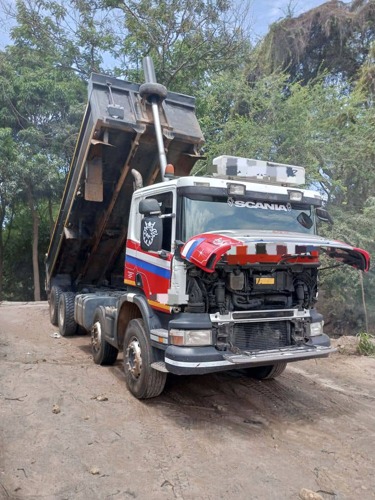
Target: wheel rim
(134, 358)
(96, 336)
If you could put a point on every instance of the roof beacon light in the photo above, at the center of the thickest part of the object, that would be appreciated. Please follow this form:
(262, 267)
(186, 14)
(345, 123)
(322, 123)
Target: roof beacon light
(258, 171)
(169, 171)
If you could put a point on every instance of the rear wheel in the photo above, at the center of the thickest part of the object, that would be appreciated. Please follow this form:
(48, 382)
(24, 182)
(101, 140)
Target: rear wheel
(56, 291)
(143, 381)
(266, 372)
(103, 353)
(67, 324)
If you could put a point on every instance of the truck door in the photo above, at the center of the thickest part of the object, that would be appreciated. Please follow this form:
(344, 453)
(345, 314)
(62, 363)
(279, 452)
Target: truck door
(150, 270)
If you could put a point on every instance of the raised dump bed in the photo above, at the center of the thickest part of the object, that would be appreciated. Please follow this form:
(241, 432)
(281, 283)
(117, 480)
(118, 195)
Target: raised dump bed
(116, 136)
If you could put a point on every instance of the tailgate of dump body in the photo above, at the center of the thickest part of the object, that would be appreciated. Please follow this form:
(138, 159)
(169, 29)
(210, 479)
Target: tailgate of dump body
(117, 135)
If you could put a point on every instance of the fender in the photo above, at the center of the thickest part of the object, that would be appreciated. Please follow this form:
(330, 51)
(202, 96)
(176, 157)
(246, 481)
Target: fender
(148, 315)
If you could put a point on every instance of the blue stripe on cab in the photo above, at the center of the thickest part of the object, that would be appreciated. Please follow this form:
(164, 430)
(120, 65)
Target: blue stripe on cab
(163, 273)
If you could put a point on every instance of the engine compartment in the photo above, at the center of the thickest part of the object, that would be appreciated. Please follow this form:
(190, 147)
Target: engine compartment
(256, 287)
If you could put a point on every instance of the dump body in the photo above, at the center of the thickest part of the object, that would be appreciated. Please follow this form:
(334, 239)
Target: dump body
(116, 136)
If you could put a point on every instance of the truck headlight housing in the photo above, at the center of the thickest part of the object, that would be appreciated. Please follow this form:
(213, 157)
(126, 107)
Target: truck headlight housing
(236, 189)
(190, 338)
(295, 195)
(316, 328)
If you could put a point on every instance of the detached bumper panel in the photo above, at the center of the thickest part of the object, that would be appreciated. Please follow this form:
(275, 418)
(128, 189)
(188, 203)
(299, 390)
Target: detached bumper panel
(200, 360)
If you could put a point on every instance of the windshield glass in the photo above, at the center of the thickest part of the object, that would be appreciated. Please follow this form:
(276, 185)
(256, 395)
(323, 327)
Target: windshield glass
(219, 213)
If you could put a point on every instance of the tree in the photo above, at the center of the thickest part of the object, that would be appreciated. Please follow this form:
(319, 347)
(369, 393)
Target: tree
(187, 39)
(318, 126)
(36, 96)
(75, 35)
(7, 193)
(38, 181)
(333, 38)
(18, 266)
(314, 125)
(341, 302)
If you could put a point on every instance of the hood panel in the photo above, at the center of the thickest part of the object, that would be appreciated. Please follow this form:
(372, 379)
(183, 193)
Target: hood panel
(249, 247)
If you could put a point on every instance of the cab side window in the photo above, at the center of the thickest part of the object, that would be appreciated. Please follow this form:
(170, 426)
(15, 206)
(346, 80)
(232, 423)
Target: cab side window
(165, 201)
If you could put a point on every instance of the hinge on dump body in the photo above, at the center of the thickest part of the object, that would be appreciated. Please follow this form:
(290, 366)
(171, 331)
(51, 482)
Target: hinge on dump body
(114, 110)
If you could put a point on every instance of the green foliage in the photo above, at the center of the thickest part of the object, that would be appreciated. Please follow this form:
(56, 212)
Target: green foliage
(187, 39)
(328, 131)
(366, 344)
(342, 303)
(74, 35)
(316, 125)
(333, 38)
(18, 269)
(37, 93)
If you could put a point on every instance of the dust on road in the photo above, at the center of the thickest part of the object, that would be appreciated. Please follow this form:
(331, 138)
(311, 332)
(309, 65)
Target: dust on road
(220, 436)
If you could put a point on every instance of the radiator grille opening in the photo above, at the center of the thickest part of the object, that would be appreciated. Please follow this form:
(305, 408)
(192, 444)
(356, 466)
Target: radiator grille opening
(261, 336)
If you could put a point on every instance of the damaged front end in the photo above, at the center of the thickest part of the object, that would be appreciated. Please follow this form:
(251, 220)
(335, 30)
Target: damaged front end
(256, 295)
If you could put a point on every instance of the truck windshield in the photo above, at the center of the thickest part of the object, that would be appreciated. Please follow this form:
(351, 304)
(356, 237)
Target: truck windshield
(201, 216)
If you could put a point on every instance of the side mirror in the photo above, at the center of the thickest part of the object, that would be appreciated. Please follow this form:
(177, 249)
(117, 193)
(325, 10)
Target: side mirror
(152, 233)
(305, 220)
(323, 215)
(149, 207)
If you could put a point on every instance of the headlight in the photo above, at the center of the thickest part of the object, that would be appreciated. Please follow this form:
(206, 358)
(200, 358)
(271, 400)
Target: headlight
(316, 328)
(190, 337)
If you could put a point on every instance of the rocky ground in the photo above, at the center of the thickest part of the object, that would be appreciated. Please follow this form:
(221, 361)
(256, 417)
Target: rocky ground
(70, 430)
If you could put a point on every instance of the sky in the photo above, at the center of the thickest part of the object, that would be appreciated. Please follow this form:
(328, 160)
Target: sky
(262, 14)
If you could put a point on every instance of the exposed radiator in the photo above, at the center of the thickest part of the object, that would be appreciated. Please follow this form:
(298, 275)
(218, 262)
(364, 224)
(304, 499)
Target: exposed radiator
(261, 336)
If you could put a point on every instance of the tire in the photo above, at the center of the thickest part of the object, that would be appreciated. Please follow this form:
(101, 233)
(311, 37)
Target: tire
(156, 90)
(103, 353)
(142, 381)
(56, 291)
(67, 325)
(266, 372)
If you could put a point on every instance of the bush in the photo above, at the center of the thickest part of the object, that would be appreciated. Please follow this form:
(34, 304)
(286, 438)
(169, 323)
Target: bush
(366, 344)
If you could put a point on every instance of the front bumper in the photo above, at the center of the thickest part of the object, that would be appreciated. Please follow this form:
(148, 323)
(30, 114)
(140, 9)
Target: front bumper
(200, 360)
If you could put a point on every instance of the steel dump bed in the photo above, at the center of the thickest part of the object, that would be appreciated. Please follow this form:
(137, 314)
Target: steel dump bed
(116, 136)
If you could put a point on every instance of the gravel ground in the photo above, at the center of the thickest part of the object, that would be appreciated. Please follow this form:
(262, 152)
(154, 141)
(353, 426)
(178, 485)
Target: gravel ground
(70, 430)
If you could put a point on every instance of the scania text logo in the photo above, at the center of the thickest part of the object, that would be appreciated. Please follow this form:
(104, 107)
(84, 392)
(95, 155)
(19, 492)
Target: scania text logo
(258, 204)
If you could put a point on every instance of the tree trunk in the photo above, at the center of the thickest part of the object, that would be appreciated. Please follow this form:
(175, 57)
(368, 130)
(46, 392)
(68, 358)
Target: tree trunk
(1, 262)
(363, 300)
(51, 221)
(35, 219)
(2, 216)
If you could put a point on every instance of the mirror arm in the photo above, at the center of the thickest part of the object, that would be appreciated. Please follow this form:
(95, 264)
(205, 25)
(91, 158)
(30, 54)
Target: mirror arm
(167, 216)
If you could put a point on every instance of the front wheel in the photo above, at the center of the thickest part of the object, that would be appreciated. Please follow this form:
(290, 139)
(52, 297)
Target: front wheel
(142, 381)
(268, 372)
(103, 353)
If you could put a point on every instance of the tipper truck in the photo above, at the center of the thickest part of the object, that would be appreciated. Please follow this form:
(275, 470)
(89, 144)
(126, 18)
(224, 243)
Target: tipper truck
(183, 274)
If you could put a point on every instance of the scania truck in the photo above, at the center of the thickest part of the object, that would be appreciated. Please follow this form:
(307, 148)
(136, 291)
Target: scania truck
(184, 274)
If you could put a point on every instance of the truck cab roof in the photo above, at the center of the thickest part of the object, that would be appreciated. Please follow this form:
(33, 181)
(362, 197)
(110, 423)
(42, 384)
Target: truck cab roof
(213, 182)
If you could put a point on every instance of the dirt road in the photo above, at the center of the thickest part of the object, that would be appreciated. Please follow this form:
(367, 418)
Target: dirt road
(220, 436)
